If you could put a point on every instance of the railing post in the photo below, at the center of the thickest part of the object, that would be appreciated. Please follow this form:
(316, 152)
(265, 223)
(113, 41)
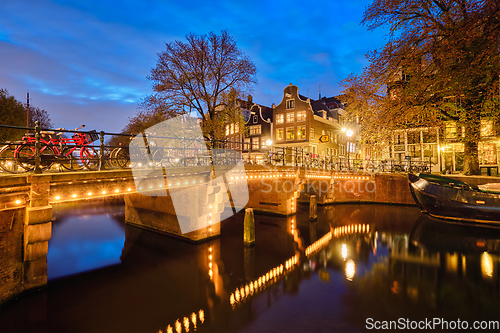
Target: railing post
(38, 146)
(102, 164)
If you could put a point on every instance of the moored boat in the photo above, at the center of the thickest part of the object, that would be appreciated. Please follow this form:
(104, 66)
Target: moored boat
(448, 198)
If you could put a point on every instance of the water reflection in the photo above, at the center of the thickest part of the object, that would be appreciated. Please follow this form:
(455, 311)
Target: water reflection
(85, 237)
(355, 262)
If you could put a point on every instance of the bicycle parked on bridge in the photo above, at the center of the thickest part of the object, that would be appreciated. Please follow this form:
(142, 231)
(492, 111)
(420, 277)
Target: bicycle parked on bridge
(70, 153)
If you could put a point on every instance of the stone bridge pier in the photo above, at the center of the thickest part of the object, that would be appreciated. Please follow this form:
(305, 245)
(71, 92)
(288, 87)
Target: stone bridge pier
(25, 229)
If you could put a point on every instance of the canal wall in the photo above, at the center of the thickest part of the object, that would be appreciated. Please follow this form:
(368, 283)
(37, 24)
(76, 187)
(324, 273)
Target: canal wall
(358, 188)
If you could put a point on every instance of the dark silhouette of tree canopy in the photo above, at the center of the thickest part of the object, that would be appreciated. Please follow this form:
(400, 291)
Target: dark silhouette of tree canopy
(203, 74)
(12, 113)
(441, 62)
(37, 114)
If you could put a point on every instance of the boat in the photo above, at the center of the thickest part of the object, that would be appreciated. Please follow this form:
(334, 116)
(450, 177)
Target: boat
(449, 198)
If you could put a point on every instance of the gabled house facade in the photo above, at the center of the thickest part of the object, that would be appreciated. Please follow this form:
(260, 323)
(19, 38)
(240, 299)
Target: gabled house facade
(299, 123)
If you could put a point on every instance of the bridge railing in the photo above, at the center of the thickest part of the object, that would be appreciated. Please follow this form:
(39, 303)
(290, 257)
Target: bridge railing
(43, 150)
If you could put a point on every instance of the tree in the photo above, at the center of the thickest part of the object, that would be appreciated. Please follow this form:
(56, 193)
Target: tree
(12, 113)
(205, 74)
(37, 114)
(442, 62)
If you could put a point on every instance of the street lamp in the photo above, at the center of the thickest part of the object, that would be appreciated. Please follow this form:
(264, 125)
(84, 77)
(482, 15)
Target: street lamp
(269, 142)
(349, 134)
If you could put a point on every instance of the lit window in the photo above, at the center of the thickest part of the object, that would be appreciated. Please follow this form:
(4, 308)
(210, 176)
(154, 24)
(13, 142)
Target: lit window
(236, 128)
(232, 129)
(290, 133)
(255, 130)
(290, 117)
(450, 131)
(301, 116)
(311, 134)
(301, 132)
(487, 128)
(279, 134)
(227, 129)
(255, 143)
(290, 104)
(280, 118)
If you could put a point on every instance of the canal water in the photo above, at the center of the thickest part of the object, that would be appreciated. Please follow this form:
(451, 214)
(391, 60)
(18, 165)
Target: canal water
(357, 268)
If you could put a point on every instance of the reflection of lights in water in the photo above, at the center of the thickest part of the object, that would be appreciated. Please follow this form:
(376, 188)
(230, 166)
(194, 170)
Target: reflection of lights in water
(350, 269)
(186, 324)
(262, 282)
(395, 287)
(169, 329)
(344, 251)
(486, 265)
(178, 326)
(202, 316)
(193, 320)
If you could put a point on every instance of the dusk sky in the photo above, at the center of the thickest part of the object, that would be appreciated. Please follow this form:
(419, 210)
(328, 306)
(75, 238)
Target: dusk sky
(86, 62)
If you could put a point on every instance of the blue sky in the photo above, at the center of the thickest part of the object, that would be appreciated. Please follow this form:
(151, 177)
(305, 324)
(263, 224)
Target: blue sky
(86, 61)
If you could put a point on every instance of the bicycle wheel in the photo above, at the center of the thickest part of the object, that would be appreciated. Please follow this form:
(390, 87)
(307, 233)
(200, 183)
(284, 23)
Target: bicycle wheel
(25, 155)
(90, 158)
(120, 157)
(8, 161)
(70, 160)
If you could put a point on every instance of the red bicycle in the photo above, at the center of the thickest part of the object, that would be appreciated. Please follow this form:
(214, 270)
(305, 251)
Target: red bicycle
(70, 153)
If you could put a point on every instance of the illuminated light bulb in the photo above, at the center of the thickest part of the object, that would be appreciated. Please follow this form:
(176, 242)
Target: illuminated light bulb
(169, 185)
(140, 188)
(178, 184)
(210, 265)
(255, 285)
(242, 292)
(89, 194)
(186, 324)
(210, 273)
(267, 276)
(210, 257)
(260, 281)
(160, 185)
(150, 186)
(57, 197)
(210, 229)
(364, 228)
(251, 288)
(201, 181)
(139, 164)
(247, 290)
(74, 195)
(116, 191)
(210, 249)
(231, 299)
(185, 183)
(129, 189)
(103, 192)
(367, 228)
(194, 181)
(18, 202)
(237, 295)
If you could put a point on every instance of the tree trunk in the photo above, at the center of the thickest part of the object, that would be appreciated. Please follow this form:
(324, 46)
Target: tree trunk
(471, 123)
